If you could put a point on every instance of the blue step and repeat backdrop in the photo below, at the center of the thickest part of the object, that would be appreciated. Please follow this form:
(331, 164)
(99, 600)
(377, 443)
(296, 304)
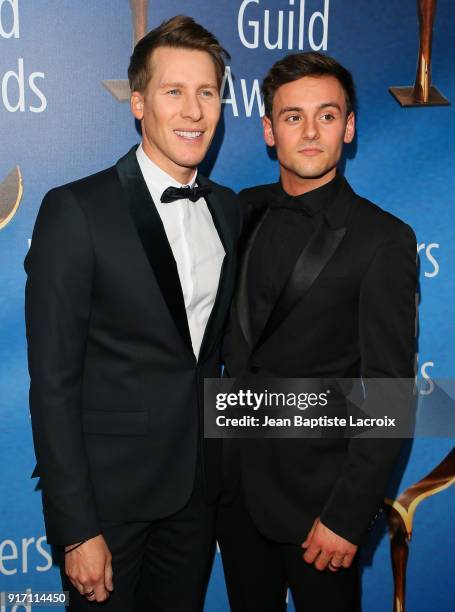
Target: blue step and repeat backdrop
(59, 121)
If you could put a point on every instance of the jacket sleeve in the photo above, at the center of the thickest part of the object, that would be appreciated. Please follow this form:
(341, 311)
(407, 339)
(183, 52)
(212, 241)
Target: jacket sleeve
(387, 320)
(60, 269)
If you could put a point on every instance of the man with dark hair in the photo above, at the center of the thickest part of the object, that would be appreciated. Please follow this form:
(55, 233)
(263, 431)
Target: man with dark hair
(130, 276)
(326, 290)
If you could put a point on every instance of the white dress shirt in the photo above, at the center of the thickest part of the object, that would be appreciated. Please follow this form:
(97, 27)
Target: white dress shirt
(195, 244)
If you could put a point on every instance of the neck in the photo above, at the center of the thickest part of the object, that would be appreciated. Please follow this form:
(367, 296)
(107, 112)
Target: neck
(296, 185)
(181, 174)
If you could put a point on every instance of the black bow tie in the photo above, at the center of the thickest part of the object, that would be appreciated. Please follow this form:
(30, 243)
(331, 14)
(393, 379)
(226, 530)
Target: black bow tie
(184, 193)
(280, 199)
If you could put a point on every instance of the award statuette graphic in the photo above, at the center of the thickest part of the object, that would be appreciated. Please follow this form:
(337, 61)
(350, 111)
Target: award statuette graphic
(120, 88)
(10, 196)
(401, 515)
(423, 93)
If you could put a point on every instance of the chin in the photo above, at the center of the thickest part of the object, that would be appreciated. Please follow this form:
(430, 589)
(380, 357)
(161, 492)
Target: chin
(190, 161)
(314, 171)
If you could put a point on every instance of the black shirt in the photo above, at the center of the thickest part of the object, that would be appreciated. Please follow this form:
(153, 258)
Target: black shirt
(287, 227)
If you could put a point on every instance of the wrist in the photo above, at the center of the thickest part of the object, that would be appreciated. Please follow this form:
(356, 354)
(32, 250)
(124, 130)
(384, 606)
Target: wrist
(70, 547)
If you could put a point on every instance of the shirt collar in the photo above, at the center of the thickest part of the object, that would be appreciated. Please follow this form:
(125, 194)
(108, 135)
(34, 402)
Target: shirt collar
(155, 176)
(311, 202)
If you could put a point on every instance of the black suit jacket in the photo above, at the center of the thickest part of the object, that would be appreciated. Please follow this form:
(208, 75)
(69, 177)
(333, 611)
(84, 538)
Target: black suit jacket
(116, 390)
(347, 310)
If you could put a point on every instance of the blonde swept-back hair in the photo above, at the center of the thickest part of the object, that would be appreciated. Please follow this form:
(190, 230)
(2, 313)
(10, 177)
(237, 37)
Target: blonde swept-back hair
(180, 32)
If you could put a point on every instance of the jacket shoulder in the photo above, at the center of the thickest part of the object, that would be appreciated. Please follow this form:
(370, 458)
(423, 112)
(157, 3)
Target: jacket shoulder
(257, 195)
(89, 185)
(254, 199)
(379, 222)
(86, 193)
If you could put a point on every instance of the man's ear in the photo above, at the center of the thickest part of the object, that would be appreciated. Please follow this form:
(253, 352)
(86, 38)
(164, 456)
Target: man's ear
(268, 131)
(137, 105)
(349, 131)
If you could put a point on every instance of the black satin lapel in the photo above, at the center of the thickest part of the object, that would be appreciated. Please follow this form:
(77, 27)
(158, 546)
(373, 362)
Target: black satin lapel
(226, 280)
(215, 206)
(312, 260)
(241, 298)
(154, 241)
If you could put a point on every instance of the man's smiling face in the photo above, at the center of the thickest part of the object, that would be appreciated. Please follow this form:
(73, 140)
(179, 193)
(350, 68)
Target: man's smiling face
(308, 128)
(179, 109)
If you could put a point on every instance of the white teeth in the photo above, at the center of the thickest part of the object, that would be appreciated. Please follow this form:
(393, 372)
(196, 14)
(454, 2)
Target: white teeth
(188, 134)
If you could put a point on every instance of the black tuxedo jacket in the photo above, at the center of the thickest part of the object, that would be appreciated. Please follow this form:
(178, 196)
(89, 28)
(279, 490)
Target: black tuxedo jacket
(347, 310)
(116, 390)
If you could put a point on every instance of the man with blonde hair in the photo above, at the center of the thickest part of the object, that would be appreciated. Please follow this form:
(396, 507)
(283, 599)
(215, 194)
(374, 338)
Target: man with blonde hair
(130, 276)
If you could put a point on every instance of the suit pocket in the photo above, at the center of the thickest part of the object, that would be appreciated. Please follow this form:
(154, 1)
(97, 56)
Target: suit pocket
(115, 423)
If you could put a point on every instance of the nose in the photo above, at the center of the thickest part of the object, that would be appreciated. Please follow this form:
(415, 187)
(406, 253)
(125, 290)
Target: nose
(191, 107)
(310, 129)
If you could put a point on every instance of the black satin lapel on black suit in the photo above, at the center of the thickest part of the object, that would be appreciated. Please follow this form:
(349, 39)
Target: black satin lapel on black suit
(154, 241)
(307, 268)
(241, 299)
(222, 299)
(312, 260)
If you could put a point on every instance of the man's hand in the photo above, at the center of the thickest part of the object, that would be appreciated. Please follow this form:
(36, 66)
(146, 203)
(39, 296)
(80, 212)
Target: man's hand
(89, 568)
(325, 548)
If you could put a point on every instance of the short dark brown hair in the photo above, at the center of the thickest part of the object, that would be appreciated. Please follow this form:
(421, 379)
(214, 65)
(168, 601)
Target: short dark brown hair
(179, 31)
(299, 65)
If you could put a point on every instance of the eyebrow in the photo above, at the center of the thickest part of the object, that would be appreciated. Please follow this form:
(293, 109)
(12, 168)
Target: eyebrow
(163, 85)
(299, 109)
(182, 85)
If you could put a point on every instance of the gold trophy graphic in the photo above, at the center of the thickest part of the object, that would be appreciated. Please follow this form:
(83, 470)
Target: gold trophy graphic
(400, 515)
(423, 93)
(10, 196)
(120, 88)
